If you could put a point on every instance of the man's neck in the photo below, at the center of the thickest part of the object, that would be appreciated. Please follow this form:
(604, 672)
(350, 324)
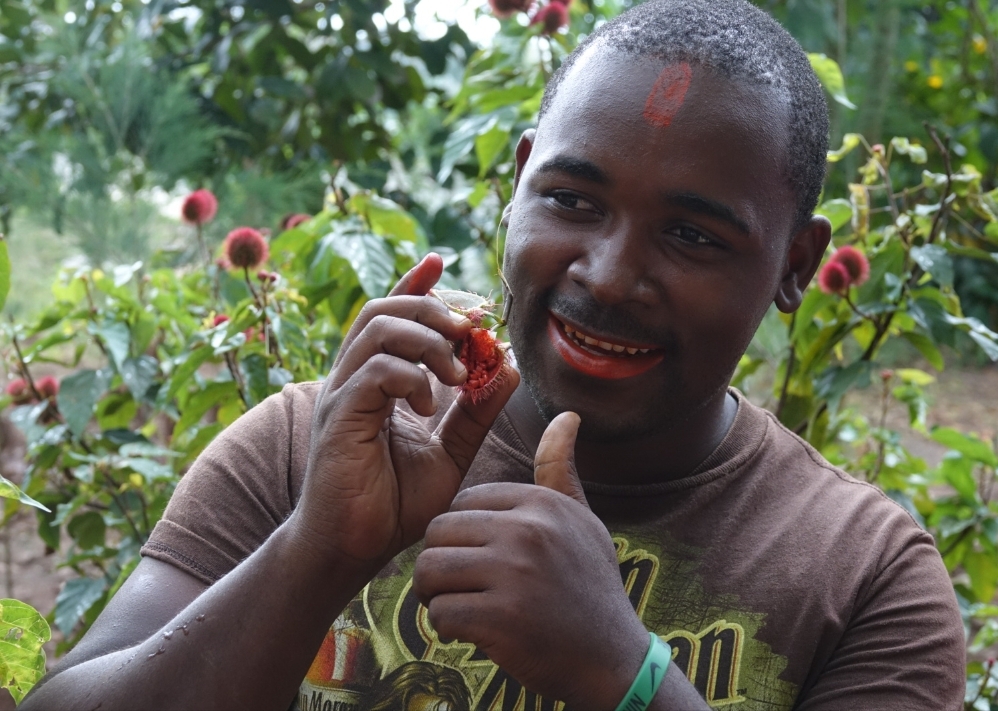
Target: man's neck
(663, 456)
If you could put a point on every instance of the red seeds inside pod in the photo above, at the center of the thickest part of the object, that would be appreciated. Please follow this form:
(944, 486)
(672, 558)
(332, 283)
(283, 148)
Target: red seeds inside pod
(485, 360)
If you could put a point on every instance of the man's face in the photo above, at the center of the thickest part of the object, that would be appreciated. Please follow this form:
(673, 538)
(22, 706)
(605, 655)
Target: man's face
(650, 216)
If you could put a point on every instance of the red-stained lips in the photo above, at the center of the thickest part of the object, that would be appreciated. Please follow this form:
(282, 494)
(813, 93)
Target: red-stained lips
(614, 365)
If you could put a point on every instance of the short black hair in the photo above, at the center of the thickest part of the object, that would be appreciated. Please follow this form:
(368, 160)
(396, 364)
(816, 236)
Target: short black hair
(741, 42)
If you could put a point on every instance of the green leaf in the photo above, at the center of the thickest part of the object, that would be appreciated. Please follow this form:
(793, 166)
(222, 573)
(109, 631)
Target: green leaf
(915, 152)
(116, 410)
(117, 340)
(935, 260)
(370, 258)
(183, 372)
(981, 334)
(926, 347)
(9, 490)
(87, 529)
(830, 75)
(983, 571)
(76, 597)
(387, 218)
(139, 374)
(988, 345)
(78, 393)
(199, 403)
(915, 376)
(4, 272)
(836, 381)
(257, 378)
(959, 473)
(23, 632)
(150, 469)
(849, 143)
(482, 189)
(461, 141)
(488, 146)
(838, 212)
(968, 445)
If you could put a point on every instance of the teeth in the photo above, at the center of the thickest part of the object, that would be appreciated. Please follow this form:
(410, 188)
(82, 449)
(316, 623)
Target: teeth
(605, 345)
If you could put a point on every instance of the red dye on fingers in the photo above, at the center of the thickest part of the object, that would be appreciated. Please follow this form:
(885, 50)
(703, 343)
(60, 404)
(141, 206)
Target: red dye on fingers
(668, 94)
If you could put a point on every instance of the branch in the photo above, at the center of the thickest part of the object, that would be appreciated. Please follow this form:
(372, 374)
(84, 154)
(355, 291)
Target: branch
(791, 361)
(943, 202)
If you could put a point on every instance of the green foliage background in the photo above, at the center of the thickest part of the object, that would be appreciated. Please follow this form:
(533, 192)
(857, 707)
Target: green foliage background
(397, 143)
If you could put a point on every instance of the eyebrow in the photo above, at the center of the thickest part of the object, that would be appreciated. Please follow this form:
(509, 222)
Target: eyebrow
(708, 208)
(576, 167)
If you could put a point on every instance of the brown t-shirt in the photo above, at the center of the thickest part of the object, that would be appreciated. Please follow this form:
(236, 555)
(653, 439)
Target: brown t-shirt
(779, 581)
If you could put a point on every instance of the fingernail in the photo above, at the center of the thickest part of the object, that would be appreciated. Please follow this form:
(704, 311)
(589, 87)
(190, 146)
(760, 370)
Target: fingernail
(457, 318)
(459, 367)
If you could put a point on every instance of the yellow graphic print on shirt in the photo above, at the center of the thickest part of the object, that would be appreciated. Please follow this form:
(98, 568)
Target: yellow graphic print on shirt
(383, 654)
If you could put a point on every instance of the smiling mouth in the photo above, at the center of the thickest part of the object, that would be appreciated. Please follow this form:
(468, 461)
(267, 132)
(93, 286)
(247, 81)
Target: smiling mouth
(600, 358)
(598, 346)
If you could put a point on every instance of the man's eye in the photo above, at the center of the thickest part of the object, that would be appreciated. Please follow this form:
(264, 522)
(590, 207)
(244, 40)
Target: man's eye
(691, 235)
(573, 201)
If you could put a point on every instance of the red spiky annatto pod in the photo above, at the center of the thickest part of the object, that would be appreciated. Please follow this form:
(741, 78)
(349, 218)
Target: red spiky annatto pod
(480, 351)
(485, 359)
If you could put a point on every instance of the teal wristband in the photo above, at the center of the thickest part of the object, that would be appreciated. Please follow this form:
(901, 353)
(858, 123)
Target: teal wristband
(649, 677)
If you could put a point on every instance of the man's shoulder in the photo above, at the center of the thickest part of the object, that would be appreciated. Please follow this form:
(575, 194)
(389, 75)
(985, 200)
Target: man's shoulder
(803, 484)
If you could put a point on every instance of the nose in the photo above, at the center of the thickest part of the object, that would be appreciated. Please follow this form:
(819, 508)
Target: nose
(614, 268)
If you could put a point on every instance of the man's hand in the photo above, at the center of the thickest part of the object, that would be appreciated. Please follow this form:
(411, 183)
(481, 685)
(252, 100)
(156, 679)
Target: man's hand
(530, 576)
(376, 476)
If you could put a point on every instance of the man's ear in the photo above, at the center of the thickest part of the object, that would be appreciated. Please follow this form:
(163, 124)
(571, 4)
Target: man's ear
(803, 257)
(523, 149)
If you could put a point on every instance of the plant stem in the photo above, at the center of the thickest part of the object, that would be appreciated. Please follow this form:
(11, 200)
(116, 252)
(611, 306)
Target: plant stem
(984, 682)
(256, 297)
(50, 410)
(791, 361)
(937, 221)
(121, 505)
(956, 541)
(237, 377)
(205, 254)
(856, 310)
(882, 446)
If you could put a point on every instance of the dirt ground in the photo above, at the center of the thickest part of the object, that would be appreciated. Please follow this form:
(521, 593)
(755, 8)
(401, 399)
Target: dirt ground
(966, 399)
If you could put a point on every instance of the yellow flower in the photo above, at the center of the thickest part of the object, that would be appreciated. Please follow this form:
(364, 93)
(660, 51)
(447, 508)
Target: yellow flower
(911, 65)
(935, 81)
(980, 44)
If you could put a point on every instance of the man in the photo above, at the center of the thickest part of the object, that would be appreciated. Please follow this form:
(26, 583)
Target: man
(662, 204)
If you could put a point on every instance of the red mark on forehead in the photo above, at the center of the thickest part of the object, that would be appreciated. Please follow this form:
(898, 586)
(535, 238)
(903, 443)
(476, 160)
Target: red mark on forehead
(668, 94)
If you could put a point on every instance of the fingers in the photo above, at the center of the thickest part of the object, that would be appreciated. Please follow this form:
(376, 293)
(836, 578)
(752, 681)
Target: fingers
(451, 570)
(424, 310)
(464, 427)
(403, 339)
(461, 528)
(421, 278)
(502, 496)
(382, 379)
(554, 463)
(458, 616)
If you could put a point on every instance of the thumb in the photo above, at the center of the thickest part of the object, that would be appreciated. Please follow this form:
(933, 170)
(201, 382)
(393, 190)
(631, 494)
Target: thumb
(554, 463)
(420, 279)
